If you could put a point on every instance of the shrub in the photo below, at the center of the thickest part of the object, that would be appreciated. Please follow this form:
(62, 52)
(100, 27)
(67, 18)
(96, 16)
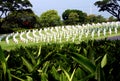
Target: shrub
(87, 61)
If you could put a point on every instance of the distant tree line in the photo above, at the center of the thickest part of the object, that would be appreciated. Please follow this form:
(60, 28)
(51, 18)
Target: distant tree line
(50, 18)
(17, 14)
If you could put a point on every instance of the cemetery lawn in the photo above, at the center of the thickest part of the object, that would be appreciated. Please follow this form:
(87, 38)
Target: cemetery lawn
(60, 35)
(13, 45)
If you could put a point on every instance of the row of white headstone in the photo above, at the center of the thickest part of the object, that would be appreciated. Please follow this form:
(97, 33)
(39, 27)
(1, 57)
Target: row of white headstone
(7, 38)
(64, 33)
(22, 38)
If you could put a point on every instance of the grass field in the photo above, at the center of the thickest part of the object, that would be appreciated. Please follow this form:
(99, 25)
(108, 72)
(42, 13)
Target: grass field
(58, 35)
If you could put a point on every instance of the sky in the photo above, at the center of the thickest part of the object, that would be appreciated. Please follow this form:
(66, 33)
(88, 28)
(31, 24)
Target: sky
(87, 6)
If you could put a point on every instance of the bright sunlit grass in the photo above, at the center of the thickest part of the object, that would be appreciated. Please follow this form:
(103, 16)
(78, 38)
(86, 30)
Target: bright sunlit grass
(13, 45)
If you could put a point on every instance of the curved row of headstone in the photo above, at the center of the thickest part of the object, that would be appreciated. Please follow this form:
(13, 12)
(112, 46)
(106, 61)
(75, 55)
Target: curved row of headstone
(29, 37)
(65, 33)
(7, 37)
(22, 38)
(14, 38)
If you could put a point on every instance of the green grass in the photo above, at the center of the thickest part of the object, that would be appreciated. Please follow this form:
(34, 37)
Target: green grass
(13, 45)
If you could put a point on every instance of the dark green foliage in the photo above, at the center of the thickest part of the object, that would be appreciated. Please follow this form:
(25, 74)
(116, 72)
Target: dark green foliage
(73, 17)
(19, 19)
(96, 19)
(49, 18)
(10, 6)
(96, 60)
(111, 6)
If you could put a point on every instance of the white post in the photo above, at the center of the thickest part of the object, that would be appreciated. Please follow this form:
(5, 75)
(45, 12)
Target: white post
(98, 32)
(44, 39)
(7, 39)
(73, 39)
(55, 39)
(48, 39)
(29, 37)
(80, 36)
(115, 30)
(86, 34)
(93, 33)
(51, 38)
(67, 38)
(23, 39)
(35, 36)
(104, 32)
(14, 38)
(110, 31)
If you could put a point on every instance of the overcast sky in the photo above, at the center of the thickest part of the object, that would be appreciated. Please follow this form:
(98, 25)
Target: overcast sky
(40, 6)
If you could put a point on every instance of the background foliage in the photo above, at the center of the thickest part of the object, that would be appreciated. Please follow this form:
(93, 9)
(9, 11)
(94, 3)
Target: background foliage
(50, 18)
(10, 6)
(74, 17)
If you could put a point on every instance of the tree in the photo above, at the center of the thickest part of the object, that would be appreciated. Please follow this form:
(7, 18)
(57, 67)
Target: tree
(111, 19)
(101, 19)
(95, 19)
(50, 18)
(73, 17)
(23, 19)
(111, 6)
(9, 6)
(91, 18)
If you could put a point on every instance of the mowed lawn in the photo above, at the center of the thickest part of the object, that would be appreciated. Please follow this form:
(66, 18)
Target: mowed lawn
(13, 45)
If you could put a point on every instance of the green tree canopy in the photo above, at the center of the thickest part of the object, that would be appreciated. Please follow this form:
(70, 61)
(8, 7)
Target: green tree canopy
(23, 19)
(7, 6)
(10, 6)
(95, 18)
(73, 17)
(50, 18)
(111, 18)
(111, 6)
